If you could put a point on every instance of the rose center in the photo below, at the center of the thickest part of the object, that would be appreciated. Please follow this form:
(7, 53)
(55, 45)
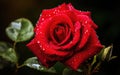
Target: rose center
(60, 33)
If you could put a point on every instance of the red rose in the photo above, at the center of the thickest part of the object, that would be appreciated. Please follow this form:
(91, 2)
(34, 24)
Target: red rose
(65, 34)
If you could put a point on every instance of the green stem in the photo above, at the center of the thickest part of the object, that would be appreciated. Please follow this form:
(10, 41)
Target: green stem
(89, 69)
(19, 66)
(14, 45)
(96, 67)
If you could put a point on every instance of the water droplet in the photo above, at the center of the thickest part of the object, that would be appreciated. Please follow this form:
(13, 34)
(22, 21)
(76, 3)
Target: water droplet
(49, 15)
(86, 31)
(40, 15)
(38, 41)
(40, 46)
(37, 29)
(41, 23)
(54, 12)
(58, 10)
(86, 21)
(40, 32)
(42, 19)
(76, 30)
(71, 42)
(43, 49)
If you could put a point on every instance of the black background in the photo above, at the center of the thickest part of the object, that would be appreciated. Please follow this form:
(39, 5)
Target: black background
(105, 13)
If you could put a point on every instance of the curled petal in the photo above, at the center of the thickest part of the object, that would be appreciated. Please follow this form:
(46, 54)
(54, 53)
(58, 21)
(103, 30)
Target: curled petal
(43, 35)
(85, 20)
(58, 19)
(75, 39)
(84, 36)
(92, 47)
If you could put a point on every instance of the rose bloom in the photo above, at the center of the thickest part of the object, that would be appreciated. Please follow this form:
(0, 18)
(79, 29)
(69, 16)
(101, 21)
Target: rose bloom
(65, 34)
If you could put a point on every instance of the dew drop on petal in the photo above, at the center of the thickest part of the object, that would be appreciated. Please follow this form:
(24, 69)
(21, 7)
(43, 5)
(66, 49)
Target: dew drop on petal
(40, 15)
(43, 49)
(37, 29)
(40, 32)
(54, 12)
(38, 41)
(42, 19)
(41, 23)
(40, 46)
(86, 31)
(58, 11)
(86, 21)
(49, 15)
(71, 42)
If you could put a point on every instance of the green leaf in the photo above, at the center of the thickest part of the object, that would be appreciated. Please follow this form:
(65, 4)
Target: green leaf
(33, 63)
(4, 46)
(94, 60)
(20, 30)
(7, 53)
(106, 54)
(113, 57)
(68, 71)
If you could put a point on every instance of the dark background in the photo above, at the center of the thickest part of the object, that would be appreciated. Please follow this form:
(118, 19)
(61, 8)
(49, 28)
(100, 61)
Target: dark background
(105, 13)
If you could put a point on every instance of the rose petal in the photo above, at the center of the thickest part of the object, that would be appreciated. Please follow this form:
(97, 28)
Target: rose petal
(86, 30)
(75, 39)
(48, 13)
(68, 33)
(43, 35)
(65, 36)
(71, 15)
(73, 42)
(85, 20)
(58, 19)
(92, 47)
(35, 48)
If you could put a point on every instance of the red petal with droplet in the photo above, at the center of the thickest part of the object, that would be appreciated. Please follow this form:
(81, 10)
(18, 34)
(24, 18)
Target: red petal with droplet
(85, 20)
(86, 30)
(35, 48)
(43, 37)
(80, 30)
(75, 40)
(92, 47)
